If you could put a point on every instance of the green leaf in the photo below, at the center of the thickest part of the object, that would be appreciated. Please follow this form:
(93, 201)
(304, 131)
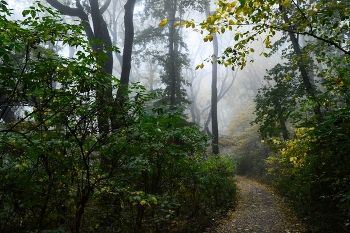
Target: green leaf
(33, 152)
(25, 13)
(33, 13)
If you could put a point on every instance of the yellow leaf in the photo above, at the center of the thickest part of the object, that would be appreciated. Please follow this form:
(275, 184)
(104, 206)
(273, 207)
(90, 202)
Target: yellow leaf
(143, 202)
(163, 23)
(200, 66)
(339, 82)
(210, 19)
(256, 3)
(154, 200)
(286, 3)
(208, 38)
(247, 10)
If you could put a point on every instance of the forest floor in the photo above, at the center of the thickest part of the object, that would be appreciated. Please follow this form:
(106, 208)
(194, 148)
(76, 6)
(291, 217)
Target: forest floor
(259, 210)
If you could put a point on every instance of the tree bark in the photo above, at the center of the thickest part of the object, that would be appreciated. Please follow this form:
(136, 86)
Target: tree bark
(126, 62)
(172, 68)
(128, 43)
(101, 33)
(7, 114)
(214, 99)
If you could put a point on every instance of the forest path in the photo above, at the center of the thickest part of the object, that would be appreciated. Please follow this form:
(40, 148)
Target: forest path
(259, 210)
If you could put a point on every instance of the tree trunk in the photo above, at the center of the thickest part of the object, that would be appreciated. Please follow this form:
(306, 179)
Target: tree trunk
(126, 64)
(172, 66)
(310, 90)
(106, 63)
(282, 120)
(81, 209)
(6, 114)
(99, 32)
(128, 43)
(214, 99)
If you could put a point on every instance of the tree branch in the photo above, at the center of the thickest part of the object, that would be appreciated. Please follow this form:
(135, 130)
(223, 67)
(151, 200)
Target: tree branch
(304, 33)
(105, 6)
(77, 12)
(66, 9)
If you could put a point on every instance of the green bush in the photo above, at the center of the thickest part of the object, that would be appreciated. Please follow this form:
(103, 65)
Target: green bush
(65, 168)
(312, 171)
(167, 183)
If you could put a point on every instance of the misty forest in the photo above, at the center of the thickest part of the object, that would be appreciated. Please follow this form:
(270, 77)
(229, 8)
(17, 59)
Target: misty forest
(136, 115)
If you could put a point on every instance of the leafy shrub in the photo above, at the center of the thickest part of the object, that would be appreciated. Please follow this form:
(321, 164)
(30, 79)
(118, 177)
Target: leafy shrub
(208, 189)
(166, 182)
(65, 168)
(312, 171)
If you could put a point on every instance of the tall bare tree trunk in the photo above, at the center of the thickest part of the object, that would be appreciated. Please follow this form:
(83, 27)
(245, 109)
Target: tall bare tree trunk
(128, 43)
(126, 64)
(172, 73)
(214, 98)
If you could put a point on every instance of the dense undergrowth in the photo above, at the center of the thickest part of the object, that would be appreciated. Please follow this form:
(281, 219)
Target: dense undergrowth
(73, 160)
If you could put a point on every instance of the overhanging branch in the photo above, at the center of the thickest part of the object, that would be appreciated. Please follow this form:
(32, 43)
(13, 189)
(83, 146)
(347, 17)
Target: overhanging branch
(105, 6)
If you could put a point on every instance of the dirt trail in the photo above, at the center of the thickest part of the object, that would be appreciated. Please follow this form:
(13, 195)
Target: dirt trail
(259, 210)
